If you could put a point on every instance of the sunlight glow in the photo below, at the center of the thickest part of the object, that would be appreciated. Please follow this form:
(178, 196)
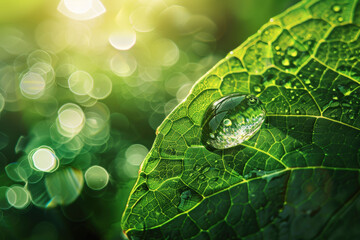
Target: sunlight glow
(71, 119)
(123, 40)
(96, 177)
(45, 160)
(32, 85)
(81, 9)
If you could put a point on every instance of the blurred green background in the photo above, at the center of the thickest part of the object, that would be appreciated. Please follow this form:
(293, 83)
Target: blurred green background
(83, 86)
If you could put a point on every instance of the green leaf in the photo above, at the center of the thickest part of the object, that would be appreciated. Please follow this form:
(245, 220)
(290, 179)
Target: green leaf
(298, 177)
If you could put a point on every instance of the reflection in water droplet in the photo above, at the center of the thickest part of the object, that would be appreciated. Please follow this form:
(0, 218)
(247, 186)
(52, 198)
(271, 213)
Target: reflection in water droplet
(340, 19)
(246, 114)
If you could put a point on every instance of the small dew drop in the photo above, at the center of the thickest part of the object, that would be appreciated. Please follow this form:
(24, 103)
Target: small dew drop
(252, 100)
(285, 62)
(277, 48)
(297, 111)
(292, 52)
(257, 89)
(336, 8)
(340, 19)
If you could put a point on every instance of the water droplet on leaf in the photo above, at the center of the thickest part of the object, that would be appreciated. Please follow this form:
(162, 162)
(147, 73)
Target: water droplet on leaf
(285, 62)
(292, 52)
(336, 8)
(257, 89)
(245, 113)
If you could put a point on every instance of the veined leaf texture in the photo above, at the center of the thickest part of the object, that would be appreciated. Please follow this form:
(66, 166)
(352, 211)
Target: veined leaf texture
(298, 176)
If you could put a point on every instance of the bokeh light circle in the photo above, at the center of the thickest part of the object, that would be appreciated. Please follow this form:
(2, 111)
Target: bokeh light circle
(64, 186)
(96, 177)
(123, 40)
(32, 85)
(78, 6)
(81, 82)
(71, 119)
(44, 159)
(18, 197)
(135, 154)
(102, 87)
(123, 64)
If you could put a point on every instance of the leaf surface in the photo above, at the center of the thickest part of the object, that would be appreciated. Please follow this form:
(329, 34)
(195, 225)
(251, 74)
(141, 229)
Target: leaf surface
(298, 177)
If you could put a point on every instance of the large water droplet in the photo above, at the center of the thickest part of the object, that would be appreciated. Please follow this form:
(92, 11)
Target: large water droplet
(245, 113)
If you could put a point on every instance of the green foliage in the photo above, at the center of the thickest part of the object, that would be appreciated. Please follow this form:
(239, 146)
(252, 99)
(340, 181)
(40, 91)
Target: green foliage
(298, 177)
